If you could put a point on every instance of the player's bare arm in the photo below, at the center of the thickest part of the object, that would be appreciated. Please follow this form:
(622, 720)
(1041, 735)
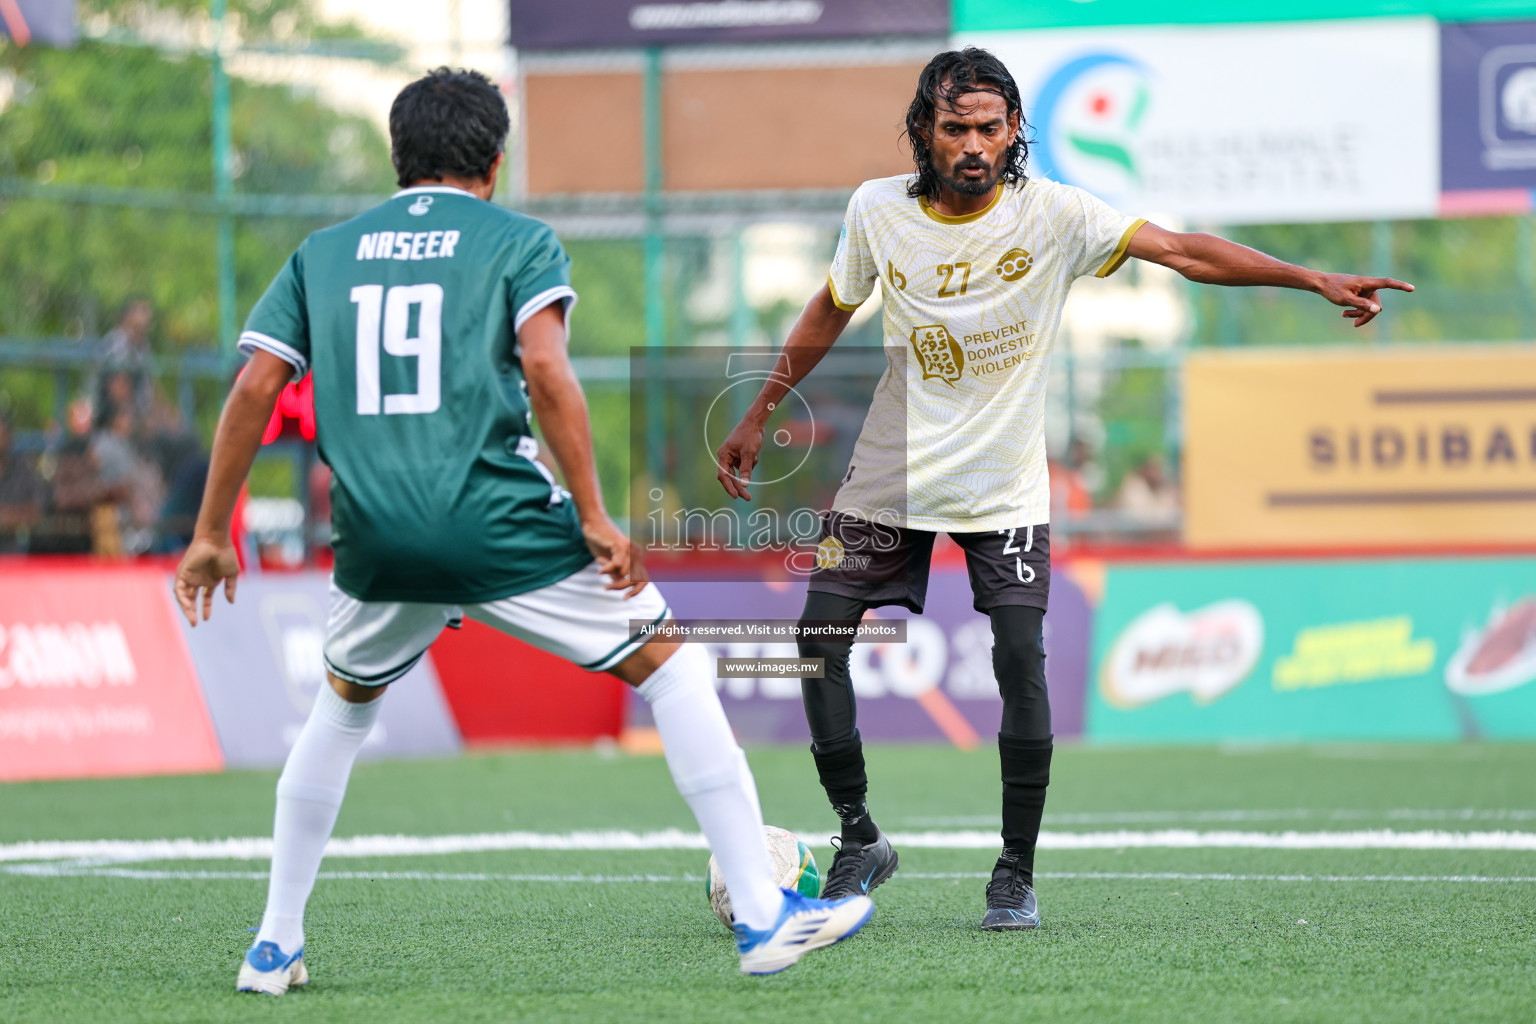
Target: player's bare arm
(560, 406)
(817, 329)
(210, 558)
(1209, 259)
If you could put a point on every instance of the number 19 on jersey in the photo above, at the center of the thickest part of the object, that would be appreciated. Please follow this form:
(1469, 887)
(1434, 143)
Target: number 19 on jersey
(390, 315)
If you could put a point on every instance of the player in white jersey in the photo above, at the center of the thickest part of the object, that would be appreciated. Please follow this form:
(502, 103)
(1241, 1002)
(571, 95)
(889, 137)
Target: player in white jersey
(975, 261)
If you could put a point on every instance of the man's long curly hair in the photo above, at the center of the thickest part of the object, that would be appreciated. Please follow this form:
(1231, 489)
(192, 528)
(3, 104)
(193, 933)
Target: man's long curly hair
(942, 84)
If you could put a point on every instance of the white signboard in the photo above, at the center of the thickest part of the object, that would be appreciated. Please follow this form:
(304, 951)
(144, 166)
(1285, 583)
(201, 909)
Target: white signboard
(1318, 121)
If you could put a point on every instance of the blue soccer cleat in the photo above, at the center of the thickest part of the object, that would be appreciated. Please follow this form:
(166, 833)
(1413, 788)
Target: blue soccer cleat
(268, 969)
(804, 924)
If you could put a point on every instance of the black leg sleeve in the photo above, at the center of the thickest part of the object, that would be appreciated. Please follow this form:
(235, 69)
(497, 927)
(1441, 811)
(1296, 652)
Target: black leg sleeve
(1024, 744)
(829, 703)
(1018, 659)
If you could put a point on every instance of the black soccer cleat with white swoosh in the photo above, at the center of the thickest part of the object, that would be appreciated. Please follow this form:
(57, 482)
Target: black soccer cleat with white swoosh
(1011, 902)
(858, 867)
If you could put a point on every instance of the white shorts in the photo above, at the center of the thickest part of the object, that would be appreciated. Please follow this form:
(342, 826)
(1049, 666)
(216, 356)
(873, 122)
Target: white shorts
(373, 643)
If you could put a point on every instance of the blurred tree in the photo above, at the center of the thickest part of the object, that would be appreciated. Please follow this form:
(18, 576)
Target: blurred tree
(136, 121)
(128, 117)
(1473, 284)
(1133, 407)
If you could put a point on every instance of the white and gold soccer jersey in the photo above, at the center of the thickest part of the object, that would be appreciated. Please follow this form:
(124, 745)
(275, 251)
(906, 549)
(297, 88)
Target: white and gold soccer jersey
(955, 437)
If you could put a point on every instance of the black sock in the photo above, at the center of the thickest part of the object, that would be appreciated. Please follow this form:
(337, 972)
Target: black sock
(841, 769)
(858, 826)
(1026, 773)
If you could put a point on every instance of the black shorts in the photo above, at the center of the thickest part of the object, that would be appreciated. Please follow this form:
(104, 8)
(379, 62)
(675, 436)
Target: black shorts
(880, 564)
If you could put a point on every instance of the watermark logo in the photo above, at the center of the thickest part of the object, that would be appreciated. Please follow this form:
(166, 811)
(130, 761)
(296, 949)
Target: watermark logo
(829, 553)
(692, 446)
(938, 353)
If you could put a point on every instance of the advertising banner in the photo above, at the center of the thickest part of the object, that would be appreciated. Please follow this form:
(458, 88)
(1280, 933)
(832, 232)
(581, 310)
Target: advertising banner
(1326, 448)
(582, 24)
(1488, 106)
(502, 691)
(937, 685)
(261, 664)
(990, 15)
(1356, 650)
(51, 22)
(1219, 123)
(94, 677)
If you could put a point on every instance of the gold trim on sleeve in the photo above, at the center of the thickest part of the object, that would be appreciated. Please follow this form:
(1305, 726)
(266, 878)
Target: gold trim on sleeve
(839, 303)
(1119, 255)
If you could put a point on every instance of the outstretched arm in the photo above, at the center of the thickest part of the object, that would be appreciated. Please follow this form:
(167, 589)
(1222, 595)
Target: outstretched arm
(817, 329)
(561, 410)
(210, 558)
(1208, 259)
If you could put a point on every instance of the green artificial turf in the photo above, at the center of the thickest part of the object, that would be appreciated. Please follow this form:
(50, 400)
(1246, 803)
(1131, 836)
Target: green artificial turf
(1112, 948)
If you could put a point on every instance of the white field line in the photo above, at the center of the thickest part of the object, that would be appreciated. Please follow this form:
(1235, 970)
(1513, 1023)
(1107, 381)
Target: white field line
(138, 874)
(1455, 814)
(260, 848)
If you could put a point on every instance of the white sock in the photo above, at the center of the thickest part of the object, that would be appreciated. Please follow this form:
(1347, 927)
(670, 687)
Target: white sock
(308, 796)
(712, 775)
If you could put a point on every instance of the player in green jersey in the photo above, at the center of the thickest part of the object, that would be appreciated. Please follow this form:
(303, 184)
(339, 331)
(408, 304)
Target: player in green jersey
(435, 329)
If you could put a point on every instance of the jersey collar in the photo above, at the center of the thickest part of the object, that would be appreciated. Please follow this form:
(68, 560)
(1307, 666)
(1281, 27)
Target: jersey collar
(426, 189)
(944, 218)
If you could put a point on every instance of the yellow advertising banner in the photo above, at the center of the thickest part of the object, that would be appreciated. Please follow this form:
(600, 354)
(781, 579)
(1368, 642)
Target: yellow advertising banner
(1360, 448)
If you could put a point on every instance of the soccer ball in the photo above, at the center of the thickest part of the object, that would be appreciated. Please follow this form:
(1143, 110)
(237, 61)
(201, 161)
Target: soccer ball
(793, 868)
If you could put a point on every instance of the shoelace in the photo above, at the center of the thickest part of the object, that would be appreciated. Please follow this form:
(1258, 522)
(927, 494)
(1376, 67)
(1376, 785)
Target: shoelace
(1007, 891)
(845, 865)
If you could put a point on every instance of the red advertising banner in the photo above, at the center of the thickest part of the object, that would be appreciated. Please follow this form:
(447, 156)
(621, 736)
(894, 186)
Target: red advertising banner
(95, 678)
(502, 690)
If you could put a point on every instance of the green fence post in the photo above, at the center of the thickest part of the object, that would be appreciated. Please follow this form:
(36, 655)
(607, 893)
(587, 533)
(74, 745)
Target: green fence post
(741, 310)
(222, 187)
(655, 269)
(655, 305)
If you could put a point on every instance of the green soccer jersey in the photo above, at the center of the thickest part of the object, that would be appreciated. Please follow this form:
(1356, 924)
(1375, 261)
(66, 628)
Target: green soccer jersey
(407, 316)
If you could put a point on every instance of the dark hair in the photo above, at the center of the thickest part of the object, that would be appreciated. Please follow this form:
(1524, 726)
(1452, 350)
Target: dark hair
(949, 76)
(450, 123)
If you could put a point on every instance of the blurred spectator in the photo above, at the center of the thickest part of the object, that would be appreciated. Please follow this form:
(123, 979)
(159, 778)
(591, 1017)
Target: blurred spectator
(143, 452)
(133, 479)
(1071, 491)
(167, 442)
(1147, 493)
(22, 494)
(124, 375)
(183, 499)
(72, 524)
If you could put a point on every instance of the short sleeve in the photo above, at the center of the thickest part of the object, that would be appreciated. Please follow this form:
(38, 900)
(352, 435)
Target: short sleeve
(280, 322)
(853, 274)
(542, 277)
(1105, 234)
